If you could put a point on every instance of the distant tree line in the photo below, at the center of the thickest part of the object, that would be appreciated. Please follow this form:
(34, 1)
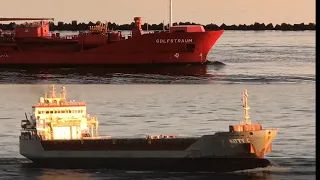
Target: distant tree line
(74, 26)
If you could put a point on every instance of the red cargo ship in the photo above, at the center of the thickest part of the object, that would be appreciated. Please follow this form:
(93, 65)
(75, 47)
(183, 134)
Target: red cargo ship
(33, 44)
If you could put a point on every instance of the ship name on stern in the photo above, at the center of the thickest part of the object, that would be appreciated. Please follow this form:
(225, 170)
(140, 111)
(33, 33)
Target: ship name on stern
(165, 41)
(239, 141)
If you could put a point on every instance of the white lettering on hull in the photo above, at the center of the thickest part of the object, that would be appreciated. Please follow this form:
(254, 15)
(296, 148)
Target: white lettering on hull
(171, 41)
(4, 56)
(239, 141)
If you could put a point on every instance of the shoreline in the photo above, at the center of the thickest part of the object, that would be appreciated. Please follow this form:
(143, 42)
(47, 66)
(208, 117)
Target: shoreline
(74, 26)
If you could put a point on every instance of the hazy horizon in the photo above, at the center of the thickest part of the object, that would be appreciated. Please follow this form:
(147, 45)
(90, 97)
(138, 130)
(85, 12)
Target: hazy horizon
(201, 11)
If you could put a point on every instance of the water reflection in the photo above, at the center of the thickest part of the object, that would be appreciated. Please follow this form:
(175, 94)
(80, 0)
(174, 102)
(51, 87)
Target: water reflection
(192, 70)
(83, 75)
(80, 174)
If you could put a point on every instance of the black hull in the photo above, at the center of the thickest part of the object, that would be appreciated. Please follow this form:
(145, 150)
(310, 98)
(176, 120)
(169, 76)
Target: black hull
(155, 164)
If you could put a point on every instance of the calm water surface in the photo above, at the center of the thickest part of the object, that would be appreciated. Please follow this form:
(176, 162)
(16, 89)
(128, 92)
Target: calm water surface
(126, 110)
(278, 68)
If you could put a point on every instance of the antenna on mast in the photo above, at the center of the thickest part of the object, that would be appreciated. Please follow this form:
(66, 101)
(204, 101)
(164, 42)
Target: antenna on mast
(246, 107)
(170, 13)
(53, 91)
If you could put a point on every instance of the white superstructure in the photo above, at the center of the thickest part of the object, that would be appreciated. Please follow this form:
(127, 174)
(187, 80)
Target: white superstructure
(54, 117)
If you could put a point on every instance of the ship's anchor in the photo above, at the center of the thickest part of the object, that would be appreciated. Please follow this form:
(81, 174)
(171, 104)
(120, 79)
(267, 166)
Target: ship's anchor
(176, 55)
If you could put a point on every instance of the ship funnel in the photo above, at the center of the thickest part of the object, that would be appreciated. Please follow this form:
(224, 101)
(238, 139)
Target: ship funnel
(138, 22)
(137, 30)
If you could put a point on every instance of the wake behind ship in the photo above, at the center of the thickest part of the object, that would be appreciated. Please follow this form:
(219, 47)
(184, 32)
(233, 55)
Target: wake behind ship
(61, 134)
(32, 44)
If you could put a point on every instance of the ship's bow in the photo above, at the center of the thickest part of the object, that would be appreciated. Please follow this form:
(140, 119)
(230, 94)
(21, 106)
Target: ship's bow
(261, 141)
(207, 41)
(210, 38)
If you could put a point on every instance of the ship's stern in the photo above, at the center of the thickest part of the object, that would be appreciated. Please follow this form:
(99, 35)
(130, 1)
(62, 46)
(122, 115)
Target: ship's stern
(30, 146)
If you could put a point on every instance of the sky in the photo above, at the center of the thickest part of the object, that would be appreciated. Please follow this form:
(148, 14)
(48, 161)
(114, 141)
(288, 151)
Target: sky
(156, 11)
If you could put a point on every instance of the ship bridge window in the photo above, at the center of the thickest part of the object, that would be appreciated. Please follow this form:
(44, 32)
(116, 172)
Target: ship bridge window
(180, 30)
(62, 111)
(55, 112)
(51, 112)
(47, 112)
(39, 112)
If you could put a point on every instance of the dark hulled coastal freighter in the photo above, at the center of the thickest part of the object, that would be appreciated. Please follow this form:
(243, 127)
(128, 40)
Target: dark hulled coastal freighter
(61, 133)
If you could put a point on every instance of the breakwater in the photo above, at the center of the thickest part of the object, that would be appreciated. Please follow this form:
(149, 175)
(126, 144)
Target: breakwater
(75, 26)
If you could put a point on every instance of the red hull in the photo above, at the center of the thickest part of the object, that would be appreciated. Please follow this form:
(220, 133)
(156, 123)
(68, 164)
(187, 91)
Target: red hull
(154, 48)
